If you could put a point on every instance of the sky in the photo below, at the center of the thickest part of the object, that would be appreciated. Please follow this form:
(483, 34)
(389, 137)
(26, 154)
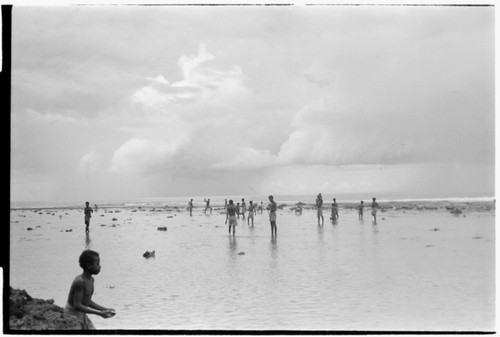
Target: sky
(116, 102)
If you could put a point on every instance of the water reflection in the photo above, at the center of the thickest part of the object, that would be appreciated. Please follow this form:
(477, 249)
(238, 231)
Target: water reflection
(87, 240)
(273, 247)
(375, 233)
(232, 246)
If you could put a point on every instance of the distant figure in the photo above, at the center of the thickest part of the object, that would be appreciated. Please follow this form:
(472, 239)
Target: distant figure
(231, 216)
(207, 206)
(261, 207)
(361, 206)
(243, 207)
(80, 294)
(298, 210)
(272, 215)
(319, 205)
(225, 204)
(96, 208)
(374, 209)
(238, 209)
(335, 210)
(88, 214)
(190, 207)
(251, 210)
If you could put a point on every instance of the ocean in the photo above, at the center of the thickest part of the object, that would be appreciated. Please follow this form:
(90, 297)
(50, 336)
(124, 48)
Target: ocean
(426, 264)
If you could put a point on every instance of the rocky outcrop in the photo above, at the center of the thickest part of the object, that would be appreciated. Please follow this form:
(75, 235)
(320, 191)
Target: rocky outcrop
(27, 313)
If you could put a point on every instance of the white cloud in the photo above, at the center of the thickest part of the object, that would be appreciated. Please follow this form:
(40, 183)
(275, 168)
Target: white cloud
(201, 81)
(140, 155)
(247, 159)
(158, 79)
(89, 163)
(48, 118)
(189, 66)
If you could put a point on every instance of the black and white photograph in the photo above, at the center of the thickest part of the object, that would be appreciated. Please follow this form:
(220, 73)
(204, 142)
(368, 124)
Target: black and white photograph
(251, 168)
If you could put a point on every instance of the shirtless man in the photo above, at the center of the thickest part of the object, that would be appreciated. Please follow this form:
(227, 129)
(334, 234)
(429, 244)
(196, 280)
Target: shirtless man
(374, 209)
(319, 205)
(88, 211)
(272, 215)
(231, 216)
(251, 211)
(243, 207)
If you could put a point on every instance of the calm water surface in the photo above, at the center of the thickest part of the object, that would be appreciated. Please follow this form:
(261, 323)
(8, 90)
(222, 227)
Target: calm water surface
(400, 274)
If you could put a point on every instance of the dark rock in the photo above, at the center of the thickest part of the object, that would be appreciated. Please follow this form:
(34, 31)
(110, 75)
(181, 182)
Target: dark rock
(164, 228)
(149, 254)
(27, 313)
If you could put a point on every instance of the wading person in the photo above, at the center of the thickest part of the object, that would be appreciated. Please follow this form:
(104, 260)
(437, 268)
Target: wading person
(231, 216)
(80, 294)
(272, 215)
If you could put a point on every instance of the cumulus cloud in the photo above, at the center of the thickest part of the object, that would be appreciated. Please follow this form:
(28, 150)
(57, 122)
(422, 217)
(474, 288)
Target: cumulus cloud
(141, 155)
(193, 118)
(200, 81)
(158, 79)
(247, 159)
(190, 65)
(89, 163)
(48, 117)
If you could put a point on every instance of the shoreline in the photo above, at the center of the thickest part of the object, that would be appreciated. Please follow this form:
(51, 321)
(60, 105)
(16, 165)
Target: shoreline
(417, 204)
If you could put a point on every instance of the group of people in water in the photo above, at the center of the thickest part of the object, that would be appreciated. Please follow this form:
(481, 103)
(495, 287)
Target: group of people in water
(233, 211)
(335, 210)
(80, 296)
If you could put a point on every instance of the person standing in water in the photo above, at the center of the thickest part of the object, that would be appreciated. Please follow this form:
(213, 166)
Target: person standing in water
(231, 216)
(238, 209)
(361, 206)
(251, 210)
(319, 206)
(207, 206)
(374, 209)
(88, 214)
(272, 215)
(190, 207)
(243, 208)
(335, 210)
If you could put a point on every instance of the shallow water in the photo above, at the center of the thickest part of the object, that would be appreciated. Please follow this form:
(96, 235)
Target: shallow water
(400, 274)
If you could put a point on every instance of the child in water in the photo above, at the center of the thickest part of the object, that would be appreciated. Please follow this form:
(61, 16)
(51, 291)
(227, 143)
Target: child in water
(80, 294)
